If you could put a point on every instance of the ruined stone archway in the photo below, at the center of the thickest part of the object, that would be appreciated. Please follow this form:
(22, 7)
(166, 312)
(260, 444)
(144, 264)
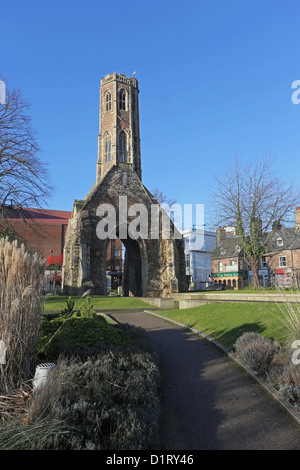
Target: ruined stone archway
(135, 273)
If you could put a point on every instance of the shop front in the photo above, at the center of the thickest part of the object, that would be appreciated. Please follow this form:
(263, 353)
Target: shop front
(231, 280)
(281, 277)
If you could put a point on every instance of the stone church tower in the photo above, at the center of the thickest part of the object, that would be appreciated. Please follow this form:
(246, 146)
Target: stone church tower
(119, 135)
(154, 263)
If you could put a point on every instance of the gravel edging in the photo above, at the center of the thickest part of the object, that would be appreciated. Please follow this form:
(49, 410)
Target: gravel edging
(267, 387)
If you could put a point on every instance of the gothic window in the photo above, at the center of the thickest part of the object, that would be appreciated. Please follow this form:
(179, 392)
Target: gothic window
(107, 155)
(107, 98)
(122, 99)
(122, 147)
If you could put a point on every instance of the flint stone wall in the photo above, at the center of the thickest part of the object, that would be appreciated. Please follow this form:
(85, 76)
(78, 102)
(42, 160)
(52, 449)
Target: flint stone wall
(159, 271)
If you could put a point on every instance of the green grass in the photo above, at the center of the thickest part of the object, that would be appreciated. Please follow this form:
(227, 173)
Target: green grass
(58, 302)
(225, 322)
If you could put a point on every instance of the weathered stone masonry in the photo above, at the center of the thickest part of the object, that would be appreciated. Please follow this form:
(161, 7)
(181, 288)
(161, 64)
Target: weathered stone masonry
(153, 267)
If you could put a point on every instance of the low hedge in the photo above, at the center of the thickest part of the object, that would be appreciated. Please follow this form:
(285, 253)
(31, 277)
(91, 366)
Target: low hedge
(72, 335)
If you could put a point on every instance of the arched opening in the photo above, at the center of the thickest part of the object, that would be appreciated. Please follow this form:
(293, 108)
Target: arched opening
(126, 266)
(132, 277)
(122, 100)
(122, 152)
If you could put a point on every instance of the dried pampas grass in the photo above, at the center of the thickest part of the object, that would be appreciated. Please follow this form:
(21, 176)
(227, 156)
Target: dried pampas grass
(21, 275)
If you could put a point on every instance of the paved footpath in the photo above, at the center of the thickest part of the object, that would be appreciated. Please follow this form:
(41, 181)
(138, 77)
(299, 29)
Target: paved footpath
(210, 403)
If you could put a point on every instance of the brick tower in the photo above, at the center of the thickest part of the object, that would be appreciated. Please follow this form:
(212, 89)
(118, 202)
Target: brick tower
(119, 128)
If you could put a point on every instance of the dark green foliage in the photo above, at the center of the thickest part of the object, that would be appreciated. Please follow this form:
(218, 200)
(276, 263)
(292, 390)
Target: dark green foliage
(69, 308)
(86, 309)
(77, 334)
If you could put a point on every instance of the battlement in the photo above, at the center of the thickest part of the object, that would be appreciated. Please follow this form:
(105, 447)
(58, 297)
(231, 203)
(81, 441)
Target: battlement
(119, 78)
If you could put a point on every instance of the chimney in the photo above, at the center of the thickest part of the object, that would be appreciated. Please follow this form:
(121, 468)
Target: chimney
(276, 225)
(221, 235)
(297, 218)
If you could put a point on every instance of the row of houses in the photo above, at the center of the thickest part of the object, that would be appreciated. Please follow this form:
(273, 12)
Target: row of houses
(218, 258)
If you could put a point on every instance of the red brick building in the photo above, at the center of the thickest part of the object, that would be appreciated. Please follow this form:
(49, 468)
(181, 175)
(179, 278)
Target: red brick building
(41, 229)
(44, 230)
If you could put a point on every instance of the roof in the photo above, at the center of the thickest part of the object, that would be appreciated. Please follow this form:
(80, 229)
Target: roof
(231, 247)
(41, 216)
(290, 239)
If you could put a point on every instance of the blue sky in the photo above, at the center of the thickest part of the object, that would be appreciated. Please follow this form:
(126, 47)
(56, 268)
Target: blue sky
(215, 80)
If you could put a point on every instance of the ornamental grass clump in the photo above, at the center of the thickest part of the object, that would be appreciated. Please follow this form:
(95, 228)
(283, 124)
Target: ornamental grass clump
(21, 275)
(256, 351)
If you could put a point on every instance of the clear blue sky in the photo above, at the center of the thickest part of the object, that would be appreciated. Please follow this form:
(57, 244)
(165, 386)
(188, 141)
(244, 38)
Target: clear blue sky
(215, 80)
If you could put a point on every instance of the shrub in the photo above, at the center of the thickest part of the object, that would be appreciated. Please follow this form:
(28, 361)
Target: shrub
(109, 401)
(77, 335)
(256, 351)
(21, 275)
(279, 364)
(272, 361)
(292, 394)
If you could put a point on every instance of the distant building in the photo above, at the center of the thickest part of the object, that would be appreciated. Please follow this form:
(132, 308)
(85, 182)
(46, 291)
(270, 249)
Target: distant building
(41, 229)
(44, 230)
(279, 267)
(198, 246)
(227, 261)
(283, 258)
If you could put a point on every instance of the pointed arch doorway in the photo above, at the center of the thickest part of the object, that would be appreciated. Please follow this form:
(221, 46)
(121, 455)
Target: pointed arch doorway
(134, 265)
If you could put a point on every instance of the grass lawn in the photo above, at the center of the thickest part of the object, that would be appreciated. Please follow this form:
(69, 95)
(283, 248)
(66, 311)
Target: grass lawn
(225, 322)
(58, 302)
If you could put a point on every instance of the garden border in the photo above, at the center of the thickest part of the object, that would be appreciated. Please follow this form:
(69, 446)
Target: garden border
(268, 388)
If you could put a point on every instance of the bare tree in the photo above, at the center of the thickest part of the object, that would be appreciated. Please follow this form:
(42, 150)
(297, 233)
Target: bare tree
(23, 176)
(257, 201)
(162, 198)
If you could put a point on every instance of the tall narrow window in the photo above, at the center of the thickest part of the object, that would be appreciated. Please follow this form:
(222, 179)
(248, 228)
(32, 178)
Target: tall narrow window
(122, 147)
(187, 261)
(122, 100)
(282, 261)
(108, 101)
(107, 157)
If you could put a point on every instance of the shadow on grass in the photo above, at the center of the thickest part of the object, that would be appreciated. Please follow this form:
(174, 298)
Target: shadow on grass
(229, 337)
